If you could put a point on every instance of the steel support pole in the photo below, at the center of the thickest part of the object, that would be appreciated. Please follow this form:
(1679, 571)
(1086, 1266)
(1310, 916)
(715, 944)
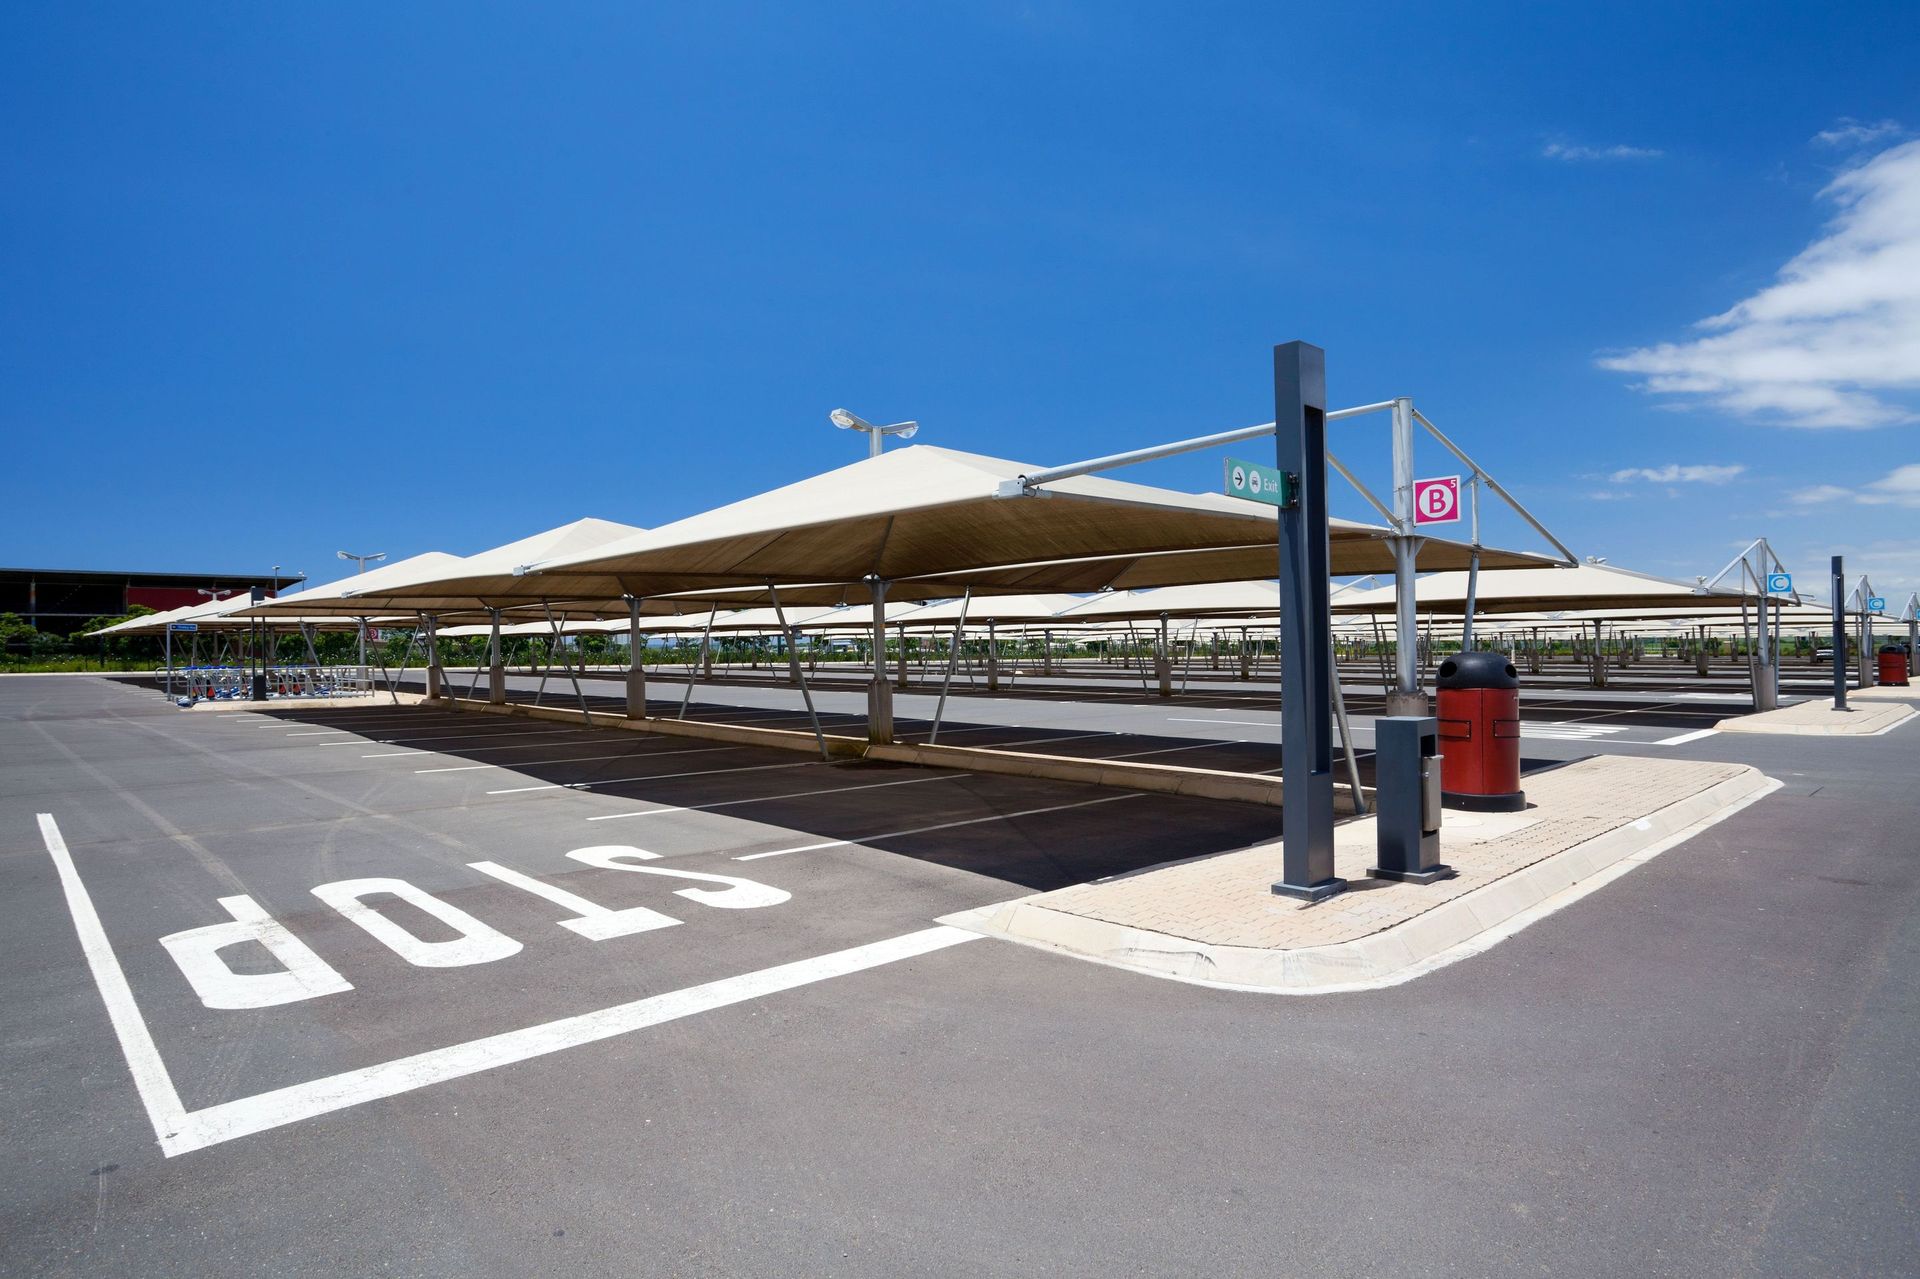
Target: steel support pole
(693, 671)
(793, 665)
(953, 658)
(1306, 625)
(1473, 566)
(880, 689)
(636, 669)
(496, 668)
(1163, 661)
(1839, 634)
(1406, 697)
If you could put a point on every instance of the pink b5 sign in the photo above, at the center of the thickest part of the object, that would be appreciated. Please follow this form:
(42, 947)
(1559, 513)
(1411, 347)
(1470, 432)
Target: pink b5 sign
(1436, 501)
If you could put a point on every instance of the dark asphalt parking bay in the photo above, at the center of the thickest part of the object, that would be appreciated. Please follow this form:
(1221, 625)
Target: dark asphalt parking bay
(1705, 1068)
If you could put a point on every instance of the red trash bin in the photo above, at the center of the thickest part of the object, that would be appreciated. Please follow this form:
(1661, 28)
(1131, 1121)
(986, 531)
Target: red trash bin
(1479, 716)
(1893, 664)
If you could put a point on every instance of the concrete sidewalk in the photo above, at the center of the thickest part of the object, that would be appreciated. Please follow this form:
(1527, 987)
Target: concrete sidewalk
(1870, 711)
(1216, 921)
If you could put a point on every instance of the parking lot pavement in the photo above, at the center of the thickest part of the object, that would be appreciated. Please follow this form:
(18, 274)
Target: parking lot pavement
(387, 1052)
(1199, 730)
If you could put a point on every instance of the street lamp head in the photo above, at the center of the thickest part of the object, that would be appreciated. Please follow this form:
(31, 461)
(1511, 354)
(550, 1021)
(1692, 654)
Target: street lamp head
(875, 434)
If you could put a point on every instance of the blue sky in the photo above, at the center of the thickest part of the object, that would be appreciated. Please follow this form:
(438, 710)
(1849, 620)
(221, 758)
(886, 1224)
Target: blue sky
(277, 280)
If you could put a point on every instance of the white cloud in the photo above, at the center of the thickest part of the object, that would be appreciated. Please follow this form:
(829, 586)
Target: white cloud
(1898, 487)
(1574, 154)
(1609, 495)
(1836, 335)
(1849, 132)
(1673, 474)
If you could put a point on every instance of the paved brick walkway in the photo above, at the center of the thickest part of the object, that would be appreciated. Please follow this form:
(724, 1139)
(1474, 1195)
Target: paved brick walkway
(1227, 900)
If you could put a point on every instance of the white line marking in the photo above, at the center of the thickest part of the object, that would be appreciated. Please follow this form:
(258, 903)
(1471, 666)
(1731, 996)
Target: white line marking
(1244, 723)
(565, 759)
(1686, 737)
(653, 777)
(181, 1131)
(922, 830)
(456, 737)
(283, 1106)
(318, 732)
(150, 1076)
(762, 799)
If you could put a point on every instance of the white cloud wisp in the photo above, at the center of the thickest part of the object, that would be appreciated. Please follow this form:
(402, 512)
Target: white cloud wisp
(1835, 342)
(1675, 474)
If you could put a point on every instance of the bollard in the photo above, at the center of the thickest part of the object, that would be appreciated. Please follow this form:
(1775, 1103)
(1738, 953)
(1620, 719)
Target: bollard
(1408, 776)
(1479, 695)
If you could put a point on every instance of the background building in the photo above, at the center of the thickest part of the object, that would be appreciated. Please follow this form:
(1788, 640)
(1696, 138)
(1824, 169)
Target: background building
(60, 601)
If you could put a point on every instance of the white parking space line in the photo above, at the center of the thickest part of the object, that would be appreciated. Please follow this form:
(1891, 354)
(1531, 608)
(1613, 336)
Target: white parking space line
(762, 799)
(458, 737)
(181, 1131)
(577, 759)
(1687, 737)
(150, 1078)
(1244, 723)
(922, 830)
(653, 777)
(318, 732)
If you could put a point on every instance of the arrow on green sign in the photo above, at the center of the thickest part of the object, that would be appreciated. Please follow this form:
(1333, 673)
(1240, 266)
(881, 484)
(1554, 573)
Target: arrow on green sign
(1259, 483)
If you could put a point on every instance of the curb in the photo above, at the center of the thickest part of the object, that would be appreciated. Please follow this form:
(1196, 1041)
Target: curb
(1451, 931)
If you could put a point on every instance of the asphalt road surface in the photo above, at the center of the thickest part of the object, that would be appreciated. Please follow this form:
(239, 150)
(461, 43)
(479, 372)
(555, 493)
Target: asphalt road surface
(397, 992)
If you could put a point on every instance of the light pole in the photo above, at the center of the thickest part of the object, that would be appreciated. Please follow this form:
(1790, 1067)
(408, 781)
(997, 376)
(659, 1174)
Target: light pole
(362, 561)
(875, 434)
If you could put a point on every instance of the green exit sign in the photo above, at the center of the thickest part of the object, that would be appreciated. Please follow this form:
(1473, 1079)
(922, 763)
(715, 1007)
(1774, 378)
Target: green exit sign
(1259, 483)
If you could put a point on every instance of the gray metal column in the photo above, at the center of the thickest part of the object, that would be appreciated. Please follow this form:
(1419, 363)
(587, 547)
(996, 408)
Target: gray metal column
(879, 689)
(1163, 661)
(1407, 698)
(636, 669)
(1046, 652)
(496, 669)
(1306, 626)
(901, 664)
(993, 660)
(1868, 669)
(1839, 633)
(436, 678)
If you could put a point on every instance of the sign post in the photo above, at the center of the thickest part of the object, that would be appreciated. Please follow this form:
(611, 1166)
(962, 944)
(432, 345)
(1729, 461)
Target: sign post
(1306, 625)
(1839, 633)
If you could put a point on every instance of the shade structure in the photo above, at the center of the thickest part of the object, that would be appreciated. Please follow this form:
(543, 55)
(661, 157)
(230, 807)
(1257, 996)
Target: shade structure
(455, 585)
(931, 521)
(1205, 599)
(330, 599)
(234, 613)
(1006, 610)
(1583, 586)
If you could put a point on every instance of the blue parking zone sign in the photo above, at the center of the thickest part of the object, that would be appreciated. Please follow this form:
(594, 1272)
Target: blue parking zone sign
(1779, 583)
(1876, 604)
